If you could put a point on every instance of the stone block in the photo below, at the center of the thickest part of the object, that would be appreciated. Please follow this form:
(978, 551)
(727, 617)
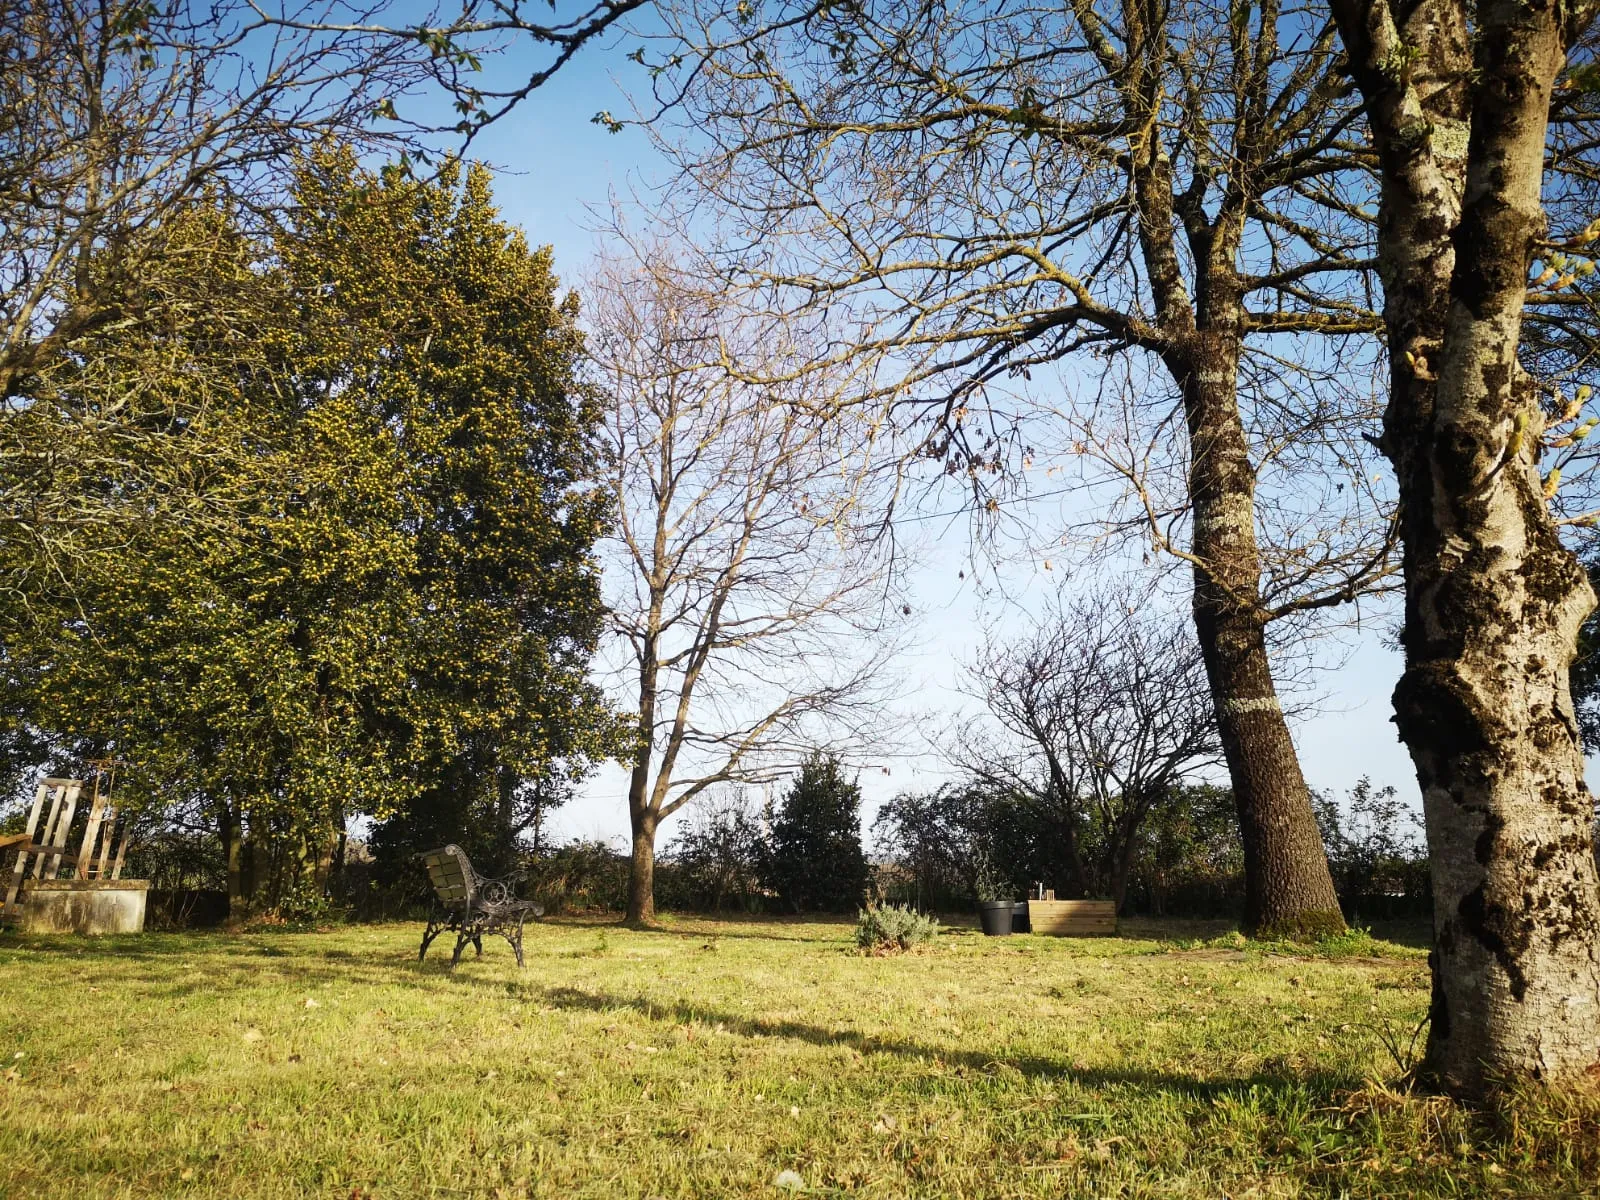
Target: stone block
(90, 906)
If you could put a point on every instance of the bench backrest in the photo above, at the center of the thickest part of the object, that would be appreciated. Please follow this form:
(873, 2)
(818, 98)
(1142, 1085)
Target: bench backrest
(451, 875)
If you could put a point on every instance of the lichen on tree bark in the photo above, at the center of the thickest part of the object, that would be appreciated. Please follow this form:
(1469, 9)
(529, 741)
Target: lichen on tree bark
(1493, 599)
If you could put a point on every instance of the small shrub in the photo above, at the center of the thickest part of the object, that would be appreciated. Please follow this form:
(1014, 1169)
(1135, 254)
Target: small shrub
(890, 927)
(1352, 943)
(304, 908)
(581, 876)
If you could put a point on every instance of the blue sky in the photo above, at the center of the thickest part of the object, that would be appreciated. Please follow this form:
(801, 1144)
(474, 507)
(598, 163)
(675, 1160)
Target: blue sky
(557, 168)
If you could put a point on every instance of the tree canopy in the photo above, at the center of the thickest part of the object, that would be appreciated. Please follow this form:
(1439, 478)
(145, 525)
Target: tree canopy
(390, 604)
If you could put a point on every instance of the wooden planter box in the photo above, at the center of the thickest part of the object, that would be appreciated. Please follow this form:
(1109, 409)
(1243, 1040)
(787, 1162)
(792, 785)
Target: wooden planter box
(1073, 918)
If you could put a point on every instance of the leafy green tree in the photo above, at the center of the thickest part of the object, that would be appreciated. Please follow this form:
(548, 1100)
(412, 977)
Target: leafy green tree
(213, 654)
(934, 838)
(452, 330)
(1190, 860)
(1375, 849)
(391, 604)
(814, 859)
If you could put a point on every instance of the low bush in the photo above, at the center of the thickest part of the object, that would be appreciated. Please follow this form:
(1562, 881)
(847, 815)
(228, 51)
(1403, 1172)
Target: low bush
(892, 927)
(581, 876)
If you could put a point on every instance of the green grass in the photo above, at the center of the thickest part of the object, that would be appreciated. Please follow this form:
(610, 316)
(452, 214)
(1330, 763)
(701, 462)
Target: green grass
(705, 1059)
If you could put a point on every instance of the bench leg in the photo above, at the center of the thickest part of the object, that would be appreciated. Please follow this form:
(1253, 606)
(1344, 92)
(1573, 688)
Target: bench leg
(461, 943)
(516, 940)
(477, 943)
(435, 928)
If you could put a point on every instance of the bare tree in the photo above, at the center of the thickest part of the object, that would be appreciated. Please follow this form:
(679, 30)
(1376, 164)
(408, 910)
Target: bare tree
(545, 37)
(1103, 709)
(752, 587)
(998, 188)
(1459, 99)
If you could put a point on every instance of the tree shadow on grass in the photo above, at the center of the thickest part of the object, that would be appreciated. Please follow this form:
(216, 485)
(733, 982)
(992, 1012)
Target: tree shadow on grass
(380, 970)
(156, 962)
(735, 926)
(966, 1063)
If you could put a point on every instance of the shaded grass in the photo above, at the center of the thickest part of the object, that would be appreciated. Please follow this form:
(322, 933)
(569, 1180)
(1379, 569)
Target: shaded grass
(704, 1058)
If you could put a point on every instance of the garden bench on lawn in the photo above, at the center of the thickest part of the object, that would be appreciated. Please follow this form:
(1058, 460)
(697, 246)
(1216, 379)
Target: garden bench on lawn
(472, 905)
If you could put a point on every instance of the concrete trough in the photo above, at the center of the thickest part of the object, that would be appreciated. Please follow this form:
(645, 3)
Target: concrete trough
(90, 906)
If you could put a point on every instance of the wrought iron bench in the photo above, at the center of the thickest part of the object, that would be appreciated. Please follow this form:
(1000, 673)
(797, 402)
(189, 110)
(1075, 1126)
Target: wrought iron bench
(471, 905)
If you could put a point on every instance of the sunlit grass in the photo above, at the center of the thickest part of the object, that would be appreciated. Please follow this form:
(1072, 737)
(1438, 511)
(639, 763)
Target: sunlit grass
(705, 1059)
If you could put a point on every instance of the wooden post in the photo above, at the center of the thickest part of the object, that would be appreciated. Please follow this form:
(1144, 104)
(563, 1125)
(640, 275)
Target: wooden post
(107, 833)
(122, 853)
(57, 838)
(22, 855)
(97, 811)
(58, 793)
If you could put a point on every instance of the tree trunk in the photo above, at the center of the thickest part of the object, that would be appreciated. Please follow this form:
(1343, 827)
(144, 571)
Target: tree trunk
(1493, 607)
(233, 853)
(1288, 888)
(642, 870)
(643, 817)
(1493, 600)
(1121, 869)
(1125, 849)
(1066, 808)
(505, 815)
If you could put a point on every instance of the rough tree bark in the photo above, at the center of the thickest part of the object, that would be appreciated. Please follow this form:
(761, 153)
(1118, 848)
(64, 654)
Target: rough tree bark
(642, 869)
(643, 814)
(1493, 599)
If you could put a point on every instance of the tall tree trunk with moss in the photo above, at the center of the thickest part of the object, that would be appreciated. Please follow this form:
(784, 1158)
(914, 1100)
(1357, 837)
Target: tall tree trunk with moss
(1493, 599)
(1288, 887)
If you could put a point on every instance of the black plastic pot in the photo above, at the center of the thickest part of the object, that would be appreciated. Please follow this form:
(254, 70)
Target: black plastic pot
(1019, 918)
(996, 917)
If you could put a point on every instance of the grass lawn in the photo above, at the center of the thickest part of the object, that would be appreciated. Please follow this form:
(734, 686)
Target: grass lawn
(706, 1059)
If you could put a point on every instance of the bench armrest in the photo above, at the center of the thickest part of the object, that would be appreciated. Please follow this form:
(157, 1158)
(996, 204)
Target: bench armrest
(498, 891)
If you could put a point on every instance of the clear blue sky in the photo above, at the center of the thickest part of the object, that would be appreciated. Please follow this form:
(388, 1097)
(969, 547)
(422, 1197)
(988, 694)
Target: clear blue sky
(557, 167)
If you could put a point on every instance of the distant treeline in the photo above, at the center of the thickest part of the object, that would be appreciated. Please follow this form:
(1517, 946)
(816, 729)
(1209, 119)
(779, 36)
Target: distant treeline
(935, 850)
